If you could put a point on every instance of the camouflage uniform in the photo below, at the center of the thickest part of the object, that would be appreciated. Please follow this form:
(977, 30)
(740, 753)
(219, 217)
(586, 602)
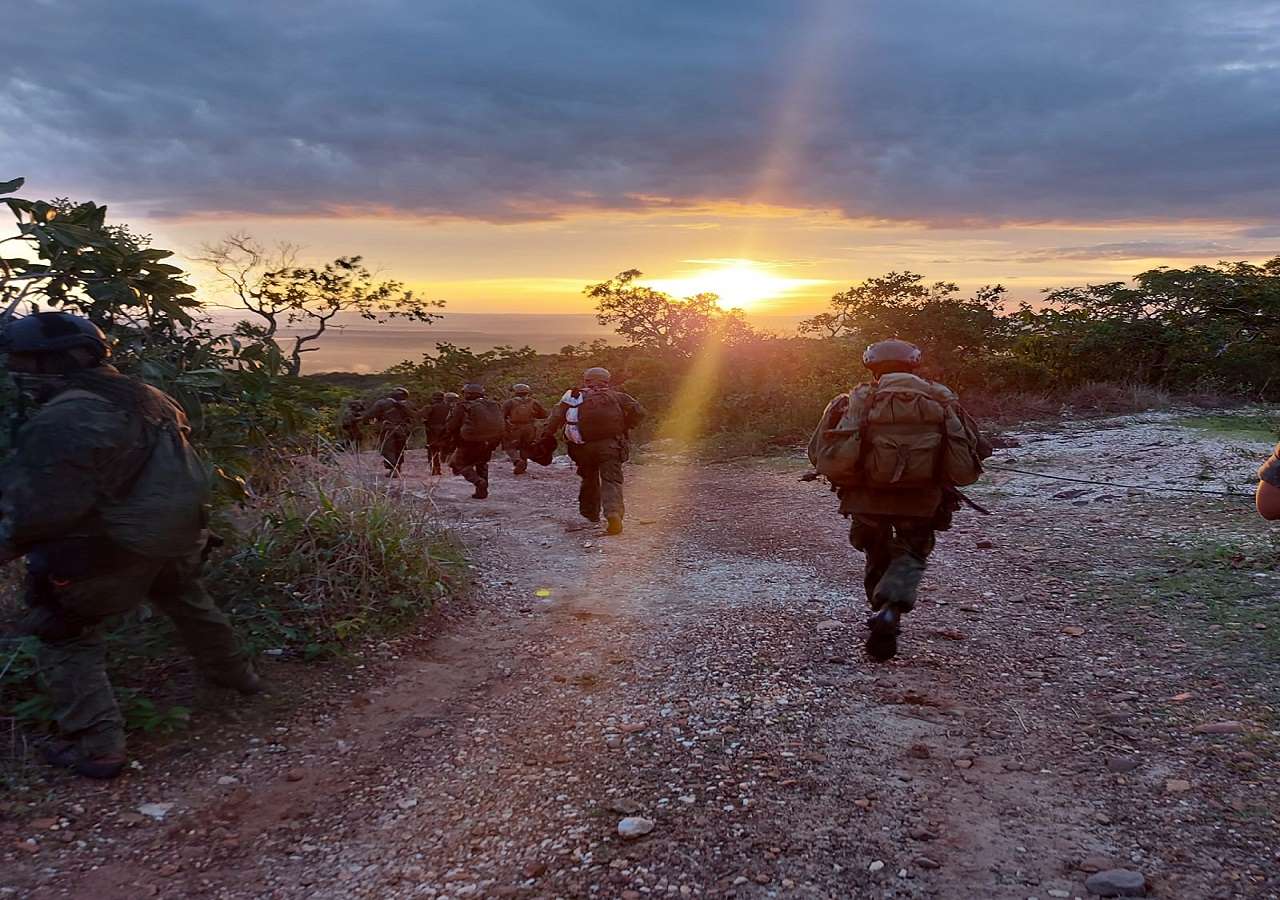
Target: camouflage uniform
(396, 419)
(73, 456)
(600, 462)
(435, 420)
(350, 424)
(896, 529)
(519, 437)
(470, 459)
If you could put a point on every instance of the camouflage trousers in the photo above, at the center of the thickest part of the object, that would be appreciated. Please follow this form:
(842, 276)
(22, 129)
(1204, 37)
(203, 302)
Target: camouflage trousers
(73, 666)
(516, 442)
(471, 460)
(392, 442)
(897, 550)
(600, 468)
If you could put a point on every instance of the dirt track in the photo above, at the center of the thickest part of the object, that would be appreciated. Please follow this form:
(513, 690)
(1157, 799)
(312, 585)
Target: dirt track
(704, 671)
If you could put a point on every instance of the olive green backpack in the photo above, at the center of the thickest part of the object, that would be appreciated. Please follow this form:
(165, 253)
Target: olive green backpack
(900, 433)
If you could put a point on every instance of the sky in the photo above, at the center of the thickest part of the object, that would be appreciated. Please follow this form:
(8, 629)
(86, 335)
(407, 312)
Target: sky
(501, 155)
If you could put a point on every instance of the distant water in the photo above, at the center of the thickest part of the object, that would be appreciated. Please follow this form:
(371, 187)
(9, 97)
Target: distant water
(367, 348)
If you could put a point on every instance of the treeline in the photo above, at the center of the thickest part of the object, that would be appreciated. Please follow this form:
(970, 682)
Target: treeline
(1207, 330)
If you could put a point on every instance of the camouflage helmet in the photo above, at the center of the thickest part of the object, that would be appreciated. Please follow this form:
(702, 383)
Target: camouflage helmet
(597, 375)
(451, 396)
(473, 389)
(399, 393)
(54, 332)
(892, 354)
(521, 389)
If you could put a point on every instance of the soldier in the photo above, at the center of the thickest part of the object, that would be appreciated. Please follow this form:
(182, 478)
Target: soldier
(894, 451)
(597, 421)
(396, 417)
(350, 423)
(435, 418)
(475, 431)
(107, 500)
(520, 415)
(1267, 496)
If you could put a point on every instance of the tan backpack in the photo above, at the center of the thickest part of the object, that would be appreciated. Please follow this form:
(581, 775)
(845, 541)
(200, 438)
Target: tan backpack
(902, 432)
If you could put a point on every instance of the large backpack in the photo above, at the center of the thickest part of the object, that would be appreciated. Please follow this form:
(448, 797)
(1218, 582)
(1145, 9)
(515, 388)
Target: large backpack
(482, 421)
(522, 411)
(902, 432)
(158, 509)
(601, 416)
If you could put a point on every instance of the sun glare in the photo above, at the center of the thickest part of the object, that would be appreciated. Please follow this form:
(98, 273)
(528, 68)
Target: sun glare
(739, 284)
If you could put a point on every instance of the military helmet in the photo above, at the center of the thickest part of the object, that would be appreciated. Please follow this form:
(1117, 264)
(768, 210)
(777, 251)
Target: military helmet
(437, 396)
(54, 332)
(597, 374)
(399, 393)
(893, 352)
(451, 396)
(473, 389)
(521, 389)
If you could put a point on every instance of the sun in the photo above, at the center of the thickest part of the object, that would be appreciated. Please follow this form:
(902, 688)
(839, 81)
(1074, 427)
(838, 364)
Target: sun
(739, 284)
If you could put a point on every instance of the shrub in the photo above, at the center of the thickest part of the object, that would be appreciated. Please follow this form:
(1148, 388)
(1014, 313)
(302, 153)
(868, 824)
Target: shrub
(330, 561)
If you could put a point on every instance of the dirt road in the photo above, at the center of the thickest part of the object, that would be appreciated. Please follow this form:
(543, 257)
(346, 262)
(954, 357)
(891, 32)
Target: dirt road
(704, 672)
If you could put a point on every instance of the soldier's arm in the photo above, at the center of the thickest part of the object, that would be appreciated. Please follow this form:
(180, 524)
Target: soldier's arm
(506, 410)
(1267, 497)
(373, 414)
(556, 422)
(52, 483)
(823, 424)
(539, 411)
(453, 427)
(632, 410)
(985, 450)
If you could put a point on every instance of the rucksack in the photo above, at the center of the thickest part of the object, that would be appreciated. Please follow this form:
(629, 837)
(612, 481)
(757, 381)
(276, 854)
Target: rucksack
(159, 510)
(601, 416)
(482, 421)
(903, 432)
(522, 411)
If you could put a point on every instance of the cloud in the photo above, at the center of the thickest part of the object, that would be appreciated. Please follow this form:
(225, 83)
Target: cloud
(1123, 250)
(971, 111)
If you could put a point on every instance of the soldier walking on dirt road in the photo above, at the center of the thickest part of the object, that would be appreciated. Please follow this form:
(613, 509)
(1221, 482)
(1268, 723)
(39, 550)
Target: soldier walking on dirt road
(521, 414)
(597, 422)
(396, 417)
(107, 500)
(435, 420)
(895, 451)
(475, 430)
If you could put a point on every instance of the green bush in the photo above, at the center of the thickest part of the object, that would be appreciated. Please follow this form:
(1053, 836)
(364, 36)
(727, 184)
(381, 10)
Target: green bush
(330, 561)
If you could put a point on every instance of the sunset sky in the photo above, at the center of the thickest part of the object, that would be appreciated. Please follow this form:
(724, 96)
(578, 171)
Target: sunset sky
(499, 155)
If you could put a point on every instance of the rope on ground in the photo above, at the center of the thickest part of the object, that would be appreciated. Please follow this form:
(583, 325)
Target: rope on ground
(1115, 484)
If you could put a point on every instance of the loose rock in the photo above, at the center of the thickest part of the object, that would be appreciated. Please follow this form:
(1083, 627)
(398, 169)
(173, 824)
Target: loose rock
(634, 827)
(1117, 883)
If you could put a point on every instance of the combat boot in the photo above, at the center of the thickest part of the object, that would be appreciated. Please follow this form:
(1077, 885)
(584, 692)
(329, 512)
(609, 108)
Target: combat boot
(615, 525)
(482, 491)
(520, 468)
(65, 755)
(882, 643)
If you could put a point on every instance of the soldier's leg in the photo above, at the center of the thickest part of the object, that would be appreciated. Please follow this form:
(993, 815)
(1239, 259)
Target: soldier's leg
(74, 671)
(611, 490)
(180, 594)
(511, 445)
(397, 442)
(873, 537)
(910, 547)
(589, 491)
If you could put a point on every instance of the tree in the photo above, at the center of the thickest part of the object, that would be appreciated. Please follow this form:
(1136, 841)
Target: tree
(655, 321)
(281, 294)
(953, 331)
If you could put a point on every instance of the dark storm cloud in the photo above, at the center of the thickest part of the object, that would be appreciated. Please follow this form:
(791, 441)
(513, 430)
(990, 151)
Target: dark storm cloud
(973, 110)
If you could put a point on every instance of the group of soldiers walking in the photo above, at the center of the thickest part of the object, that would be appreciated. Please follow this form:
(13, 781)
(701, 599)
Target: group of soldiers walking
(464, 430)
(107, 500)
